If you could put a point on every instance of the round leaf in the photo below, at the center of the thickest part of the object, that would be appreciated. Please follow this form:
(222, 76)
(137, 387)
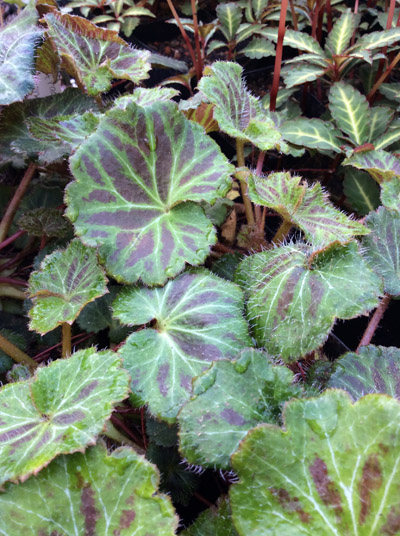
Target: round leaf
(135, 175)
(198, 320)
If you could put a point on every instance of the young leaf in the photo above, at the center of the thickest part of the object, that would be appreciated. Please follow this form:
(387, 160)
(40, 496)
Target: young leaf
(215, 521)
(17, 44)
(332, 471)
(361, 191)
(339, 37)
(312, 133)
(381, 247)
(230, 16)
(92, 493)
(44, 222)
(134, 176)
(60, 410)
(258, 48)
(229, 399)
(238, 113)
(375, 369)
(306, 207)
(93, 56)
(295, 76)
(350, 110)
(302, 41)
(382, 166)
(198, 320)
(66, 281)
(295, 294)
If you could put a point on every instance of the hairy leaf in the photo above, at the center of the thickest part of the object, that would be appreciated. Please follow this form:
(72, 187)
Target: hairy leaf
(306, 207)
(238, 113)
(93, 56)
(229, 399)
(295, 293)
(312, 133)
(215, 521)
(382, 247)
(90, 493)
(350, 110)
(375, 369)
(339, 37)
(17, 52)
(146, 96)
(361, 191)
(333, 470)
(60, 410)
(135, 175)
(258, 48)
(230, 16)
(66, 281)
(44, 222)
(390, 193)
(198, 320)
(381, 165)
(300, 74)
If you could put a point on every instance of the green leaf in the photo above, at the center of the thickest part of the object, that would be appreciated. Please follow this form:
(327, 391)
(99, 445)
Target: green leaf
(198, 320)
(382, 248)
(382, 166)
(238, 113)
(332, 471)
(226, 265)
(17, 45)
(44, 222)
(92, 493)
(306, 207)
(390, 193)
(230, 16)
(387, 139)
(258, 7)
(300, 74)
(60, 410)
(339, 37)
(312, 133)
(146, 96)
(303, 42)
(66, 281)
(350, 110)
(135, 175)
(258, 48)
(18, 340)
(215, 521)
(374, 40)
(380, 118)
(295, 293)
(375, 369)
(93, 56)
(361, 191)
(390, 91)
(229, 399)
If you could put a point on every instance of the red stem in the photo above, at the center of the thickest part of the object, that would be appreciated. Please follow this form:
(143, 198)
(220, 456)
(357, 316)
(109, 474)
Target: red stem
(315, 20)
(329, 15)
(278, 56)
(117, 422)
(11, 239)
(199, 63)
(81, 336)
(374, 322)
(11, 281)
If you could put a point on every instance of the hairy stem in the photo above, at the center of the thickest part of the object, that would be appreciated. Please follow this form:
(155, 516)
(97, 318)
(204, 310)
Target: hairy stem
(15, 353)
(374, 322)
(278, 56)
(257, 208)
(66, 339)
(15, 202)
(243, 186)
(282, 232)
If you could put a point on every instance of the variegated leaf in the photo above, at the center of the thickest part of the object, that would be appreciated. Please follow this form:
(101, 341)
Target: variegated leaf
(17, 55)
(339, 37)
(333, 470)
(229, 399)
(237, 111)
(390, 91)
(93, 56)
(387, 139)
(300, 74)
(312, 133)
(258, 48)
(295, 294)
(374, 40)
(382, 247)
(350, 110)
(60, 410)
(361, 191)
(302, 41)
(304, 206)
(382, 166)
(66, 281)
(146, 96)
(230, 16)
(390, 193)
(198, 320)
(375, 369)
(92, 493)
(379, 121)
(135, 177)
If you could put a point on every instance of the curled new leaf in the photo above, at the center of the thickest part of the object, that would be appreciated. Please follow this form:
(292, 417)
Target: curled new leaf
(90, 493)
(334, 470)
(138, 177)
(198, 320)
(66, 281)
(60, 410)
